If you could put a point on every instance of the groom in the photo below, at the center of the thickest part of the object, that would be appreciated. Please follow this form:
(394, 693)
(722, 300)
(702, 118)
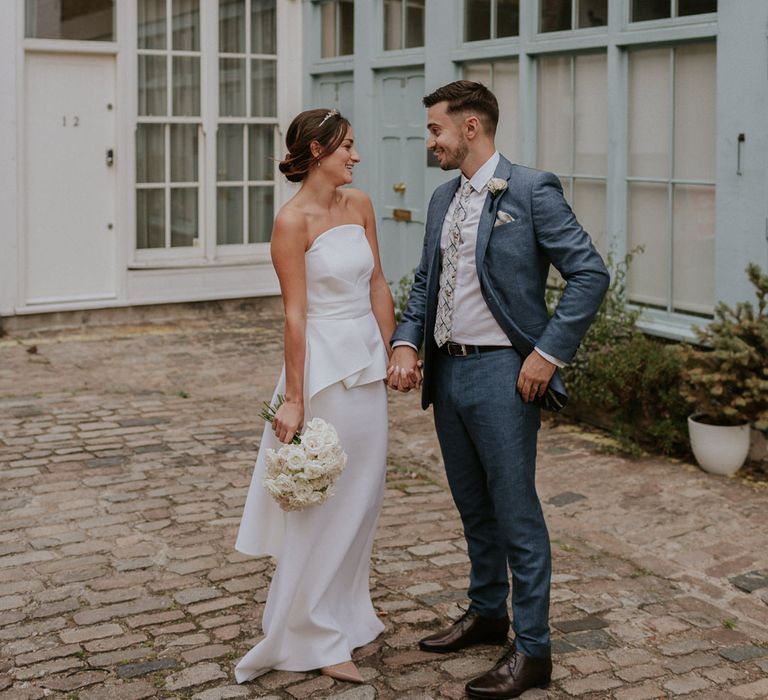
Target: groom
(491, 355)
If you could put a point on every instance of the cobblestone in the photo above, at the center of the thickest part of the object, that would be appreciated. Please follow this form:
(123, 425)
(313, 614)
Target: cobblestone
(125, 463)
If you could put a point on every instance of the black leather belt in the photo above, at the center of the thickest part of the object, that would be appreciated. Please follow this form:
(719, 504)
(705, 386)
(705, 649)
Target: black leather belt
(462, 349)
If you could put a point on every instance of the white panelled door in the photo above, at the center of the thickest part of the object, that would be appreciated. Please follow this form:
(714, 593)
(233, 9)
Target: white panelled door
(69, 145)
(401, 164)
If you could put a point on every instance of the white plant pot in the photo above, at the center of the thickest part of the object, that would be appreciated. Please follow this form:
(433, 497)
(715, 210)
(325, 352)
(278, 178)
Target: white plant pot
(719, 449)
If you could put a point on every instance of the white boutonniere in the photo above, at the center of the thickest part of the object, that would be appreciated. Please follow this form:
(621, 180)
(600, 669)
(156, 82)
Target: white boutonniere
(496, 186)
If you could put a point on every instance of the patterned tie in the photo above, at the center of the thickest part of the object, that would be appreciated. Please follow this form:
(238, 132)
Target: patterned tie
(448, 273)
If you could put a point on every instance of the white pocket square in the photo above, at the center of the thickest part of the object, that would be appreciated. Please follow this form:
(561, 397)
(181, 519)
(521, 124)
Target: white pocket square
(502, 218)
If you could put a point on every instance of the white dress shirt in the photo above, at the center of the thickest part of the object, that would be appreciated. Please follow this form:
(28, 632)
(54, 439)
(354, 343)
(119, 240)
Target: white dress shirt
(472, 321)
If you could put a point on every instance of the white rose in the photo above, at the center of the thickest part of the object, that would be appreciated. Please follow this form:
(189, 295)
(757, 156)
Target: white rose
(312, 444)
(294, 457)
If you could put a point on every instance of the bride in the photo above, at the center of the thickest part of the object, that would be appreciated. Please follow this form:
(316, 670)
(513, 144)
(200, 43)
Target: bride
(338, 321)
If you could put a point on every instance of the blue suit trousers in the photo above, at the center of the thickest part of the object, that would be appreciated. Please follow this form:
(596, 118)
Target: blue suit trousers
(487, 435)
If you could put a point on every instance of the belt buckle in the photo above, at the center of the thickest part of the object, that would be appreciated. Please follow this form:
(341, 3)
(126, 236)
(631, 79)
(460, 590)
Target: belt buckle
(460, 350)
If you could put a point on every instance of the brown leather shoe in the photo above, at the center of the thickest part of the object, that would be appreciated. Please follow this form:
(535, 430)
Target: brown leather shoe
(469, 629)
(512, 676)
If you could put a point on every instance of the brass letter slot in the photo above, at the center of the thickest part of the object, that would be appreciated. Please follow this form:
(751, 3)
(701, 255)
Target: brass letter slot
(401, 214)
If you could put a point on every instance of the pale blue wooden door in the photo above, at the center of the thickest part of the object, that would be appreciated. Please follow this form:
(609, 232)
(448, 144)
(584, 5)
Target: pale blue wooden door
(335, 91)
(400, 169)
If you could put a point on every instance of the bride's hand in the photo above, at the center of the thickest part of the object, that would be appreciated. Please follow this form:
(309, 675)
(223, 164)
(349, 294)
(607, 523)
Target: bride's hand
(288, 421)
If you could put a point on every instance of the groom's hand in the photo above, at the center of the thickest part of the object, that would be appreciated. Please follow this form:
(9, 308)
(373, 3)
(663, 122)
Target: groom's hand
(534, 377)
(404, 371)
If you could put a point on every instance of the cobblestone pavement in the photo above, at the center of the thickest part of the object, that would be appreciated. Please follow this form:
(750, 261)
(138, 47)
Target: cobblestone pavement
(125, 455)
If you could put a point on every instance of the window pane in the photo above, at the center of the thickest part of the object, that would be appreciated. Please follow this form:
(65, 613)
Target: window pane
(694, 249)
(231, 26)
(186, 86)
(150, 153)
(555, 15)
(260, 207)
(152, 24)
(555, 106)
(263, 26)
(263, 88)
(506, 81)
(648, 226)
(414, 23)
(232, 87)
(507, 17)
(695, 7)
(649, 113)
(261, 151)
(229, 215)
(478, 72)
(592, 13)
(183, 152)
(393, 39)
(695, 112)
(643, 10)
(150, 218)
(328, 29)
(477, 20)
(589, 206)
(591, 105)
(346, 28)
(84, 20)
(229, 152)
(183, 216)
(186, 25)
(152, 86)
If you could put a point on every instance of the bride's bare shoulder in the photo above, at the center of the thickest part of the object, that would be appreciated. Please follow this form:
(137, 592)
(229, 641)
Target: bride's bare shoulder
(357, 200)
(291, 219)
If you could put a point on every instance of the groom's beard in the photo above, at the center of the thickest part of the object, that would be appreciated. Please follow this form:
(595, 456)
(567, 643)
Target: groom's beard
(456, 158)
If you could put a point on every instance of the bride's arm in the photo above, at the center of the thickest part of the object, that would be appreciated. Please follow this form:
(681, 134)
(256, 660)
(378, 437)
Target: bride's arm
(288, 247)
(381, 295)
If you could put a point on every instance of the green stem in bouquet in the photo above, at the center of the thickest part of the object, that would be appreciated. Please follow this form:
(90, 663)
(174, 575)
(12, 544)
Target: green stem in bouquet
(269, 411)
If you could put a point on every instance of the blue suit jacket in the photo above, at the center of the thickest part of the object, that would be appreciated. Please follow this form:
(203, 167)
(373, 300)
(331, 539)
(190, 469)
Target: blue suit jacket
(513, 262)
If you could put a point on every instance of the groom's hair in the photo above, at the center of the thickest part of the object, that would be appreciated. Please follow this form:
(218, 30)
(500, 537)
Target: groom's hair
(465, 96)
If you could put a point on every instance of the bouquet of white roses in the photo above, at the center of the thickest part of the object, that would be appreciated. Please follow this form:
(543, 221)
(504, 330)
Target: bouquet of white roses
(303, 473)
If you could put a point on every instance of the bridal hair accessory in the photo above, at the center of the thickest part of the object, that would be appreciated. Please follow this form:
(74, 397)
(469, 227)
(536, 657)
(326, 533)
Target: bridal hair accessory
(332, 113)
(496, 186)
(302, 473)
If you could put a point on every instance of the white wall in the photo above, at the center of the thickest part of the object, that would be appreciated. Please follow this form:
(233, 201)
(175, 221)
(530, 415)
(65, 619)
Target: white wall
(742, 107)
(8, 186)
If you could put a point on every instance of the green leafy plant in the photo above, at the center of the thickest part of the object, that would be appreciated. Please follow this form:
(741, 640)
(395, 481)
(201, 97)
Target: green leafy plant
(625, 381)
(727, 379)
(400, 293)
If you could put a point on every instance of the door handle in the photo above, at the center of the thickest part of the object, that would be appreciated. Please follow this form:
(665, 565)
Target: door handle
(110, 157)
(399, 187)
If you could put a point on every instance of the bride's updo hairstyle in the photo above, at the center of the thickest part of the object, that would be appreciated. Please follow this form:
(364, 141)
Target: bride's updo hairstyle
(327, 127)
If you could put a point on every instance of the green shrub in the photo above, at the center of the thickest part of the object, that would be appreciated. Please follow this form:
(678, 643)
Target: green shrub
(625, 381)
(400, 294)
(727, 380)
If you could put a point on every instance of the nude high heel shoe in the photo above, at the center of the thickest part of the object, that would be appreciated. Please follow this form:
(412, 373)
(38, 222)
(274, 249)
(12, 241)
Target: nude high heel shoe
(345, 671)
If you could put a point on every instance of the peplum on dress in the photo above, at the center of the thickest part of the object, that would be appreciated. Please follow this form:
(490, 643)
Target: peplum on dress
(319, 607)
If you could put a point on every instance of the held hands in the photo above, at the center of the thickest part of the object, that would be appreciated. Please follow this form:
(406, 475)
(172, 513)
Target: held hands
(534, 377)
(288, 420)
(404, 371)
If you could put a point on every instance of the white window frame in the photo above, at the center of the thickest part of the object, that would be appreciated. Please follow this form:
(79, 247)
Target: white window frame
(674, 17)
(574, 21)
(404, 4)
(670, 182)
(208, 252)
(195, 251)
(494, 25)
(571, 176)
(336, 55)
(233, 250)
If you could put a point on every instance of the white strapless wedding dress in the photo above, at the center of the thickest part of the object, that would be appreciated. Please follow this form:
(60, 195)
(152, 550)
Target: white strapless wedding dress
(319, 605)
